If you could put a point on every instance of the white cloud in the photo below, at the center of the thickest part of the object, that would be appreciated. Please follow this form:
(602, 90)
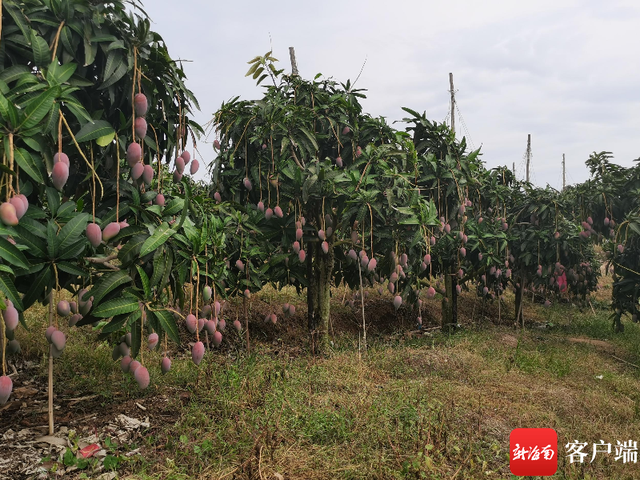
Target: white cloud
(564, 71)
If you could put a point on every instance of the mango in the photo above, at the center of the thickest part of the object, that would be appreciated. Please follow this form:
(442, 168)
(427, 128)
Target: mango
(86, 307)
(59, 175)
(206, 293)
(136, 171)
(159, 200)
(278, 212)
(147, 175)
(195, 165)
(153, 340)
(63, 308)
(140, 104)
(177, 177)
(141, 376)
(6, 386)
(125, 363)
(134, 154)
(180, 165)
(165, 365)
(48, 332)
(11, 317)
(210, 327)
(140, 127)
(58, 339)
(197, 352)
(191, 322)
(75, 318)
(237, 325)
(19, 205)
(371, 266)
(397, 301)
(61, 157)
(13, 347)
(133, 366)
(217, 338)
(268, 213)
(110, 231)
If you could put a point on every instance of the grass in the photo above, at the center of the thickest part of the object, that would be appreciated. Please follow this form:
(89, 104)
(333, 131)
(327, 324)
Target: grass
(433, 406)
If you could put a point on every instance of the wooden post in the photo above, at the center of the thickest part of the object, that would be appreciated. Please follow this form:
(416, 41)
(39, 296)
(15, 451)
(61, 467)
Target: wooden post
(453, 104)
(294, 64)
(528, 155)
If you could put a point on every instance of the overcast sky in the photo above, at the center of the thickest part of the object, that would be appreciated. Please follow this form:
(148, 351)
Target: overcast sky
(567, 72)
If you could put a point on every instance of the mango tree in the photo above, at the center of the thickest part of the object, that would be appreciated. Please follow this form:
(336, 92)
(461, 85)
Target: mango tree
(90, 105)
(608, 209)
(306, 161)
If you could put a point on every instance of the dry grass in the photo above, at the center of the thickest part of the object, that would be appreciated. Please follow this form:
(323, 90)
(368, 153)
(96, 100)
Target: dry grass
(425, 406)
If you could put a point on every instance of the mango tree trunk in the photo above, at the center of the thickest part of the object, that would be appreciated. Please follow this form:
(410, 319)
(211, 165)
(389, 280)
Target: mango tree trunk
(312, 300)
(519, 297)
(324, 268)
(450, 304)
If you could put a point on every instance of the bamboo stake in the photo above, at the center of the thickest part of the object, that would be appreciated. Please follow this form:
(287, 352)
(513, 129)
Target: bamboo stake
(50, 387)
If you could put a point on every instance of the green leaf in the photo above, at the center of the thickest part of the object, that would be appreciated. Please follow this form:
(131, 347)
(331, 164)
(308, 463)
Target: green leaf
(70, 233)
(120, 72)
(30, 164)
(107, 283)
(168, 323)
(53, 199)
(72, 269)
(130, 251)
(52, 239)
(74, 250)
(11, 254)
(36, 246)
(159, 262)
(106, 139)
(37, 290)
(57, 74)
(158, 238)
(77, 109)
(144, 278)
(40, 49)
(136, 337)
(39, 107)
(8, 111)
(9, 289)
(93, 131)
(116, 306)
(6, 268)
(174, 206)
(115, 324)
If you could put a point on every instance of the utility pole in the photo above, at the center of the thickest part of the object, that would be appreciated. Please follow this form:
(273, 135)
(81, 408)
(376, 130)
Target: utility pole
(513, 169)
(528, 155)
(453, 104)
(294, 64)
(564, 174)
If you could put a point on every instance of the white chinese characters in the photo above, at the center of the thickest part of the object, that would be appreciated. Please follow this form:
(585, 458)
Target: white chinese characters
(626, 451)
